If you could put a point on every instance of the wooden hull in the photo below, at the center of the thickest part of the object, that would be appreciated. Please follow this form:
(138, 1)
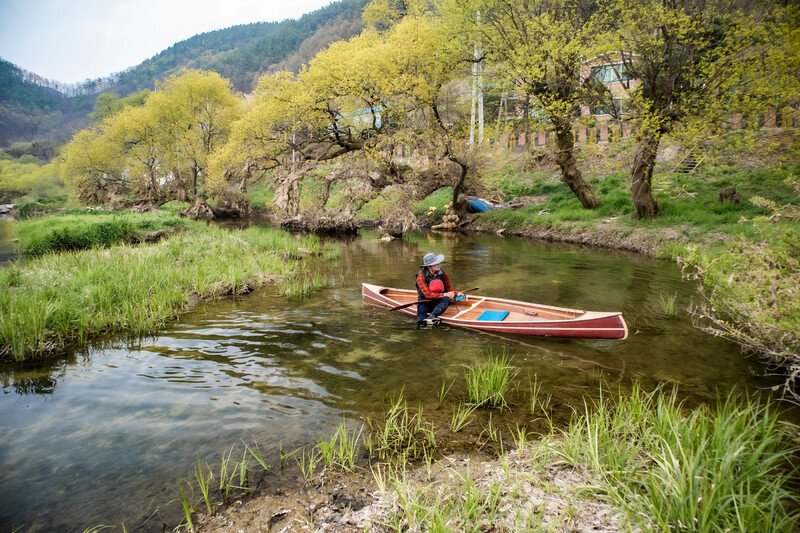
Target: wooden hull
(523, 318)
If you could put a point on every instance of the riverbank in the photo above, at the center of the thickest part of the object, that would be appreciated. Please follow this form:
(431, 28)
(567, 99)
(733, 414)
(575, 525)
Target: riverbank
(638, 462)
(57, 299)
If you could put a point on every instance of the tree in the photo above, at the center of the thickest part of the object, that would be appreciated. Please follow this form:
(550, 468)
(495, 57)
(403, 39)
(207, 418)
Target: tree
(137, 130)
(147, 139)
(693, 59)
(108, 104)
(194, 112)
(432, 55)
(361, 96)
(335, 106)
(542, 45)
(92, 166)
(27, 176)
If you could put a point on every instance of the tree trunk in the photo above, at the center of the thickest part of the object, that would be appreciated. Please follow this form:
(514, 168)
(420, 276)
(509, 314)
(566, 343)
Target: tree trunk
(462, 176)
(156, 193)
(642, 176)
(565, 141)
(195, 172)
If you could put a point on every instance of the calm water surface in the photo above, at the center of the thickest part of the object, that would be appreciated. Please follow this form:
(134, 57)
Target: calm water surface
(105, 435)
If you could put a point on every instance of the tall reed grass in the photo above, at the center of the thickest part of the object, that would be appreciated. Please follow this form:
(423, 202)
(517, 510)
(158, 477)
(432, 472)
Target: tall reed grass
(668, 305)
(341, 449)
(663, 467)
(724, 469)
(68, 297)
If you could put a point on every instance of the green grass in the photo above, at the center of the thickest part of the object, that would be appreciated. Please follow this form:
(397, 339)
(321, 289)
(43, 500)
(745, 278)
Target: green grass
(752, 289)
(261, 194)
(691, 200)
(46, 204)
(461, 417)
(204, 482)
(488, 381)
(341, 449)
(81, 230)
(663, 467)
(462, 506)
(437, 199)
(668, 304)
(721, 469)
(302, 285)
(403, 433)
(507, 180)
(56, 299)
(175, 206)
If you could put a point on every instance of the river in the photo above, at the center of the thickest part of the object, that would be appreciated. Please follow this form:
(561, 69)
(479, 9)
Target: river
(105, 434)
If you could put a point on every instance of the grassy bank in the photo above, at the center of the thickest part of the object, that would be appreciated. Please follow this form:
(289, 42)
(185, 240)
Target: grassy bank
(60, 298)
(631, 462)
(82, 229)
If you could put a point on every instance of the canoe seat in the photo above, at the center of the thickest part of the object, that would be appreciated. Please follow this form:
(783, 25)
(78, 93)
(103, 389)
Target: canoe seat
(494, 316)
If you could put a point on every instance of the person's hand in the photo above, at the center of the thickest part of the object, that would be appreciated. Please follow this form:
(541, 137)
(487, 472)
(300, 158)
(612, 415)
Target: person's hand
(451, 294)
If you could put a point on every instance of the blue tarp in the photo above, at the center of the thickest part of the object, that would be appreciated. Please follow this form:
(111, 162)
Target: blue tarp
(493, 316)
(483, 205)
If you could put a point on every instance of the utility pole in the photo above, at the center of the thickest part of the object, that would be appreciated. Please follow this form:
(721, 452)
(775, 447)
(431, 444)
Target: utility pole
(477, 91)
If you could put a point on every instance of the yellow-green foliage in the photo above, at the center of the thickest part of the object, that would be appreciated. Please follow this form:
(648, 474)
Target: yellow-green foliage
(173, 134)
(27, 176)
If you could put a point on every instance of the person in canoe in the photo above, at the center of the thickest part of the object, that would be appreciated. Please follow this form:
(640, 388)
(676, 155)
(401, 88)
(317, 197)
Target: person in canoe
(434, 287)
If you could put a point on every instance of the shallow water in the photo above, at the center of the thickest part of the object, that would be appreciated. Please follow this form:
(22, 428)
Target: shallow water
(106, 434)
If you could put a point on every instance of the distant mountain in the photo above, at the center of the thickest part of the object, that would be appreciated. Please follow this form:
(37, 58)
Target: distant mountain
(33, 108)
(242, 53)
(31, 111)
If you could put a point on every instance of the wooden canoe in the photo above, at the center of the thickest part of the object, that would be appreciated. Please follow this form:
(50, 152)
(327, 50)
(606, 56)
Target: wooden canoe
(510, 316)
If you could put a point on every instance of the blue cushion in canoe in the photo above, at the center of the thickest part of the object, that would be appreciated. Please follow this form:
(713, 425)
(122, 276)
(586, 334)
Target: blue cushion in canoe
(495, 316)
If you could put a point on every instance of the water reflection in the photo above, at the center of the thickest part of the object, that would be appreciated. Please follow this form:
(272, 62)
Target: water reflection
(104, 435)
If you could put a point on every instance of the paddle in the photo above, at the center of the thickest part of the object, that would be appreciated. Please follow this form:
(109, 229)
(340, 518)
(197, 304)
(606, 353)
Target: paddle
(403, 306)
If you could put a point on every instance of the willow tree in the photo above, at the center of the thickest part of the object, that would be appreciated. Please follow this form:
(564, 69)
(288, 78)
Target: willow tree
(136, 130)
(542, 45)
(92, 166)
(433, 55)
(169, 138)
(692, 60)
(360, 96)
(194, 112)
(336, 105)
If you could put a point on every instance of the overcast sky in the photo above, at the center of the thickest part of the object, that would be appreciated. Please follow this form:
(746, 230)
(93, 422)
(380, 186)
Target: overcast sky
(72, 40)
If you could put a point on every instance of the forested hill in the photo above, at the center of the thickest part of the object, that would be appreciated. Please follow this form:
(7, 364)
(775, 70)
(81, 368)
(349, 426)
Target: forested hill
(32, 108)
(31, 111)
(242, 53)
